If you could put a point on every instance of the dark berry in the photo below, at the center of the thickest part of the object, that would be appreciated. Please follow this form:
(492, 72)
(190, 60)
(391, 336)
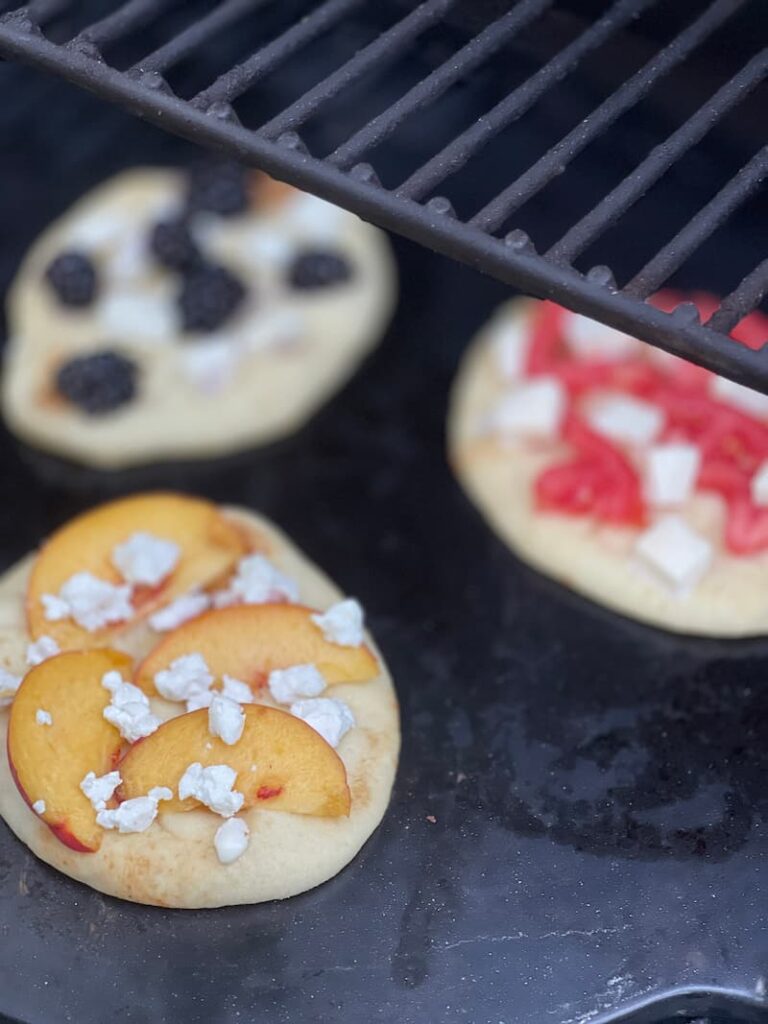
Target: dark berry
(73, 277)
(172, 244)
(209, 295)
(218, 186)
(318, 268)
(99, 382)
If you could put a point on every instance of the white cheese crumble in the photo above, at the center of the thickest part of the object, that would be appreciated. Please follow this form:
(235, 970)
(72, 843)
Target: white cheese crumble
(675, 552)
(97, 230)
(43, 717)
(184, 608)
(265, 245)
(758, 485)
(510, 341)
(135, 815)
(9, 684)
(342, 623)
(129, 709)
(314, 217)
(100, 788)
(231, 840)
(138, 315)
(212, 786)
(145, 559)
(275, 328)
(210, 365)
(232, 688)
(625, 419)
(91, 602)
(185, 678)
(589, 339)
(289, 684)
(330, 717)
(670, 473)
(41, 649)
(256, 581)
(225, 719)
(753, 402)
(533, 409)
(39, 806)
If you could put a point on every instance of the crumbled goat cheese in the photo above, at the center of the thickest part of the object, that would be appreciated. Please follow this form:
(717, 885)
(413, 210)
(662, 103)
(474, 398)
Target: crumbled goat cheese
(533, 409)
(288, 684)
(212, 786)
(129, 709)
(678, 554)
(328, 716)
(43, 648)
(135, 815)
(139, 315)
(43, 717)
(257, 581)
(670, 473)
(186, 677)
(97, 230)
(225, 719)
(589, 339)
(260, 244)
(184, 608)
(210, 365)
(9, 684)
(39, 806)
(758, 485)
(510, 343)
(626, 420)
(231, 840)
(753, 402)
(342, 623)
(232, 688)
(316, 218)
(145, 559)
(275, 328)
(91, 602)
(100, 788)
(129, 261)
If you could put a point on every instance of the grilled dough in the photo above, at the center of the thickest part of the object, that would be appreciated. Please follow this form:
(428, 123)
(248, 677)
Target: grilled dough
(596, 560)
(174, 863)
(273, 388)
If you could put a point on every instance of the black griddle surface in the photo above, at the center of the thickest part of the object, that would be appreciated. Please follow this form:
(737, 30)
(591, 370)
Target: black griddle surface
(579, 821)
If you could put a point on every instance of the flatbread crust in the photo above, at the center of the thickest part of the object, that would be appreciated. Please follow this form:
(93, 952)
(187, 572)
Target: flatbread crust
(173, 863)
(594, 560)
(272, 390)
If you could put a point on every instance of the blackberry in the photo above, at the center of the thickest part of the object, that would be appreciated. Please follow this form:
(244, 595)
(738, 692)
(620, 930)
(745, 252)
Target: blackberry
(318, 268)
(172, 244)
(99, 382)
(209, 296)
(218, 187)
(73, 277)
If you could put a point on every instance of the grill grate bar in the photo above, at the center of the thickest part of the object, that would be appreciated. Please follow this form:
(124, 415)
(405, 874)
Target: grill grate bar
(442, 78)
(127, 17)
(658, 161)
(188, 40)
(453, 156)
(742, 300)
(235, 82)
(556, 160)
(698, 230)
(387, 47)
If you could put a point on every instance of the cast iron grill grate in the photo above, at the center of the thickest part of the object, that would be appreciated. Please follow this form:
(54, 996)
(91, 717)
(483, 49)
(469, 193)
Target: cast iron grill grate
(416, 205)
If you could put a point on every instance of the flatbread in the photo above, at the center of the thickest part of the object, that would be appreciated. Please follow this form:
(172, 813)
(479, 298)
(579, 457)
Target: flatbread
(255, 379)
(593, 559)
(173, 863)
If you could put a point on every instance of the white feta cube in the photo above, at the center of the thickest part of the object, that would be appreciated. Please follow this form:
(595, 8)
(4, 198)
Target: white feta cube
(231, 840)
(758, 485)
(670, 473)
(510, 342)
(625, 420)
(752, 402)
(533, 409)
(675, 552)
(589, 339)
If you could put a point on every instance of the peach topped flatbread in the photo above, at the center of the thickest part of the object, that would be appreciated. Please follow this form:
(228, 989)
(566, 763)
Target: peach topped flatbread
(190, 714)
(626, 473)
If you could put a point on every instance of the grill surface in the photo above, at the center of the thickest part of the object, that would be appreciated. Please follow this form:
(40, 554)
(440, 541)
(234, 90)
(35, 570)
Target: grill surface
(62, 36)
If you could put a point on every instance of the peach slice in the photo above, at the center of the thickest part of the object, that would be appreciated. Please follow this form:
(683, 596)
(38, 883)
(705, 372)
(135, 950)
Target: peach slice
(210, 547)
(248, 641)
(281, 763)
(49, 762)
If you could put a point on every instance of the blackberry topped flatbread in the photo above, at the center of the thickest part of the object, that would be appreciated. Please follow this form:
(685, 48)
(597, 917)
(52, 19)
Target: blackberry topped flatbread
(190, 715)
(626, 473)
(173, 315)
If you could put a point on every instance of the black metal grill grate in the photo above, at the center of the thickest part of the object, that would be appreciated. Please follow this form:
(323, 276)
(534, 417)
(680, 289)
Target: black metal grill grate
(349, 174)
